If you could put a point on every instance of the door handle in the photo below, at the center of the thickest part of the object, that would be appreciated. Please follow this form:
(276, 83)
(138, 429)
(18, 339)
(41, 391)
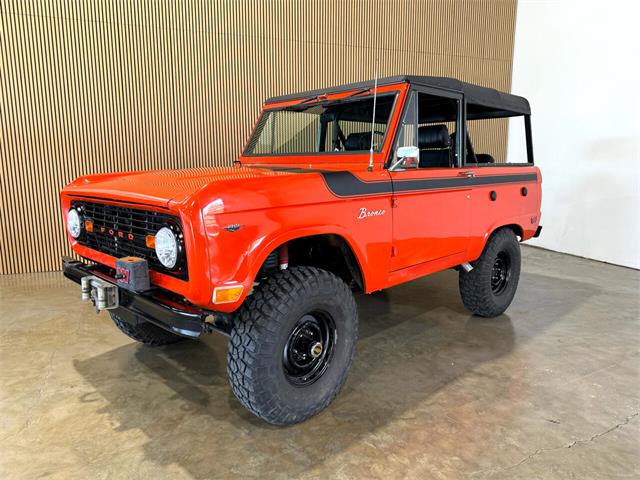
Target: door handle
(468, 174)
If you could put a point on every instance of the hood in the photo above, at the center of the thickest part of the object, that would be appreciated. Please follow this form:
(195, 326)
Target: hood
(159, 187)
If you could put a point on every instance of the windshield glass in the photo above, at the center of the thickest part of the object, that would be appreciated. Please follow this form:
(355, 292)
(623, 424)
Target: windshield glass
(326, 127)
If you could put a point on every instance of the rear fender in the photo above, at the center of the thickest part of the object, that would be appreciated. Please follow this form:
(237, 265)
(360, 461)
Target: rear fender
(523, 225)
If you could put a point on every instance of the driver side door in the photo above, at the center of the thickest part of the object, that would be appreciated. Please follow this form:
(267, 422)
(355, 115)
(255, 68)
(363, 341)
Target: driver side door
(431, 194)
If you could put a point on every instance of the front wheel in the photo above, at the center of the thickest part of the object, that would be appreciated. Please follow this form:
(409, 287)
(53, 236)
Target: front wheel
(292, 345)
(489, 288)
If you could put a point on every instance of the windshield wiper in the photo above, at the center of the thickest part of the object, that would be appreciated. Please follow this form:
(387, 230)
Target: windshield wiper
(322, 96)
(359, 92)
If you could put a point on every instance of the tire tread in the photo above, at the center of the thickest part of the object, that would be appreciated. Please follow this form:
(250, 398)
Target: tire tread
(257, 322)
(475, 289)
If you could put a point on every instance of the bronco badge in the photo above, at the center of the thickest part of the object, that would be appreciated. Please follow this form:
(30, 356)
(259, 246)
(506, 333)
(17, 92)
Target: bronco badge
(364, 213)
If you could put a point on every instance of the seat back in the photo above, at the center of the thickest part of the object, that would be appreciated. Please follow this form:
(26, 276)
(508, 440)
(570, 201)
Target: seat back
(358, 141)
(435, 146)
(485, 158)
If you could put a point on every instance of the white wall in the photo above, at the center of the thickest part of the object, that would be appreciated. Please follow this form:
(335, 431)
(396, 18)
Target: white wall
(577, 63)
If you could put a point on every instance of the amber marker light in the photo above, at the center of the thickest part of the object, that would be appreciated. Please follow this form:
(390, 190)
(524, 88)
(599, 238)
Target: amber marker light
(88, 225)
(150, 240)
(227, 294)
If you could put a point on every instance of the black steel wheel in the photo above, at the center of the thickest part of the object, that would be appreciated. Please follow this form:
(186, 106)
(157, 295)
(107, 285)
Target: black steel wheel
(500, 273)
(292, 344)
(309, 349)
(489, 288)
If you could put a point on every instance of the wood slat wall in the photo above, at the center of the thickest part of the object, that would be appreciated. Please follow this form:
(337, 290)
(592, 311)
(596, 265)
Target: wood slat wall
(103, 85)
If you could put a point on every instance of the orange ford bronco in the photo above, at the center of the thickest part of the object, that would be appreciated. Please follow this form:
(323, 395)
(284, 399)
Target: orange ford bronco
(355, 188)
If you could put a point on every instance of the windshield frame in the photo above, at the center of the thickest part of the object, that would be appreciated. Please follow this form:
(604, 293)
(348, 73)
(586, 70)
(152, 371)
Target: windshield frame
(351, 97)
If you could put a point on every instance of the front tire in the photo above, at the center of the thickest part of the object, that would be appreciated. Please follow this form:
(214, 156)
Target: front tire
(292, 344)
(489, 288)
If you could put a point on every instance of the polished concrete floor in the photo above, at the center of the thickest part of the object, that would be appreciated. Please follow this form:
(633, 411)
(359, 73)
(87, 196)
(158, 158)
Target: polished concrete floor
(549, 390)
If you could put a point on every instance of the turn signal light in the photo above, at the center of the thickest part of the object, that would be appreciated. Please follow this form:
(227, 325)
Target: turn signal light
(88, 225)
(150, 240)
(227, 294)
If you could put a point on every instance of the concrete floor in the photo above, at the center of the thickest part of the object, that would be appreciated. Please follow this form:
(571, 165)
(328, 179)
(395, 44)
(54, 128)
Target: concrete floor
(549, 390)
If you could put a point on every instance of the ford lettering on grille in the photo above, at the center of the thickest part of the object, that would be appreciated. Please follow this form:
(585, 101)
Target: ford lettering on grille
(121, 231)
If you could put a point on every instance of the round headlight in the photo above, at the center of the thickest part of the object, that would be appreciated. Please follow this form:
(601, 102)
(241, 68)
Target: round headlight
(74, 223)
(166, 247)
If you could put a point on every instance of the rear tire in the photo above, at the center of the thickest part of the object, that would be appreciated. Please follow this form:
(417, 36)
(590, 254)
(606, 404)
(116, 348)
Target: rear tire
(145, 332)
(489, 288)
(292, 344)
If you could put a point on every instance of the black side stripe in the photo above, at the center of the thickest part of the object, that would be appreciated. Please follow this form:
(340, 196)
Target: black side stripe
(346, 184)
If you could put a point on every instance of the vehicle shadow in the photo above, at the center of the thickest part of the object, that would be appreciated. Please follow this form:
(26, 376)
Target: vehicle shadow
(417, 344)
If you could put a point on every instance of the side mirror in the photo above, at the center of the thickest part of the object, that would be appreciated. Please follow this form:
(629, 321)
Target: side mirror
(404, 155)
(408, 152)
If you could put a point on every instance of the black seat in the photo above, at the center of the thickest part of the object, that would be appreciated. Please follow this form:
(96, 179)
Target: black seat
(472, 157)
(435, 146)
(485, 158)
(358, 141)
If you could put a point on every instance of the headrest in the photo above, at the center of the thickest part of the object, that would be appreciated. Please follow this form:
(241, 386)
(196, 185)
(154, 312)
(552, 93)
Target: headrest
(358, 141)
(433, 136)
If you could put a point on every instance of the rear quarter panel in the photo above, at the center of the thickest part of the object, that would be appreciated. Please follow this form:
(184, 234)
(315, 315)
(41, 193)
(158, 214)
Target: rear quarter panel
(510, 207)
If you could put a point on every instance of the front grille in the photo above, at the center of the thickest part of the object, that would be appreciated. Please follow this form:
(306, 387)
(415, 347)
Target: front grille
(121, 232)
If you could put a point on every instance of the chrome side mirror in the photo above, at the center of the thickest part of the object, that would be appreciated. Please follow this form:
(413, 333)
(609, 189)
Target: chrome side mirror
(403, 154)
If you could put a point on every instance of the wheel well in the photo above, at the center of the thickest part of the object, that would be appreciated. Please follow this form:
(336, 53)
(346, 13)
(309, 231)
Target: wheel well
(517, 229)
(329, 252)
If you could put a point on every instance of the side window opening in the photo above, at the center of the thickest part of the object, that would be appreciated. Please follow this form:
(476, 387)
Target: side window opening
(495, 137)
(429, 123)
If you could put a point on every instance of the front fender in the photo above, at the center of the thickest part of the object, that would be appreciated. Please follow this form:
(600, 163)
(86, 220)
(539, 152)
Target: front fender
(280, 238)
(240, 242)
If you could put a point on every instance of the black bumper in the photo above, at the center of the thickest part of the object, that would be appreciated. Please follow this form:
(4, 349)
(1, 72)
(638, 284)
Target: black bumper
(538, 231)
(186, 321)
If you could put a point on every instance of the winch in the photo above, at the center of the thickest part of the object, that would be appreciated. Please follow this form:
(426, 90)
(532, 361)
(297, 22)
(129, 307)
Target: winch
(102, 294)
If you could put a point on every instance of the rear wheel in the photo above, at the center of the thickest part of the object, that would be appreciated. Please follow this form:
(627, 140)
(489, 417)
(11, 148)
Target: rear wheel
(292, 345)
(489, 288)
(144, 332)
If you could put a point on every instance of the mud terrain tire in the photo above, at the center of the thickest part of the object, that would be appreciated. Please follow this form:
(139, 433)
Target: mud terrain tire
(292, 344)
(489, 288)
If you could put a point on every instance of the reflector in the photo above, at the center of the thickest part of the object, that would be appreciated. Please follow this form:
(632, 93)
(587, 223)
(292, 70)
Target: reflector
(227, 294)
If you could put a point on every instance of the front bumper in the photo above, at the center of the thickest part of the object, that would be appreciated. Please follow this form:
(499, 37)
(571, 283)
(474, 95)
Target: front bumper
(153, 307)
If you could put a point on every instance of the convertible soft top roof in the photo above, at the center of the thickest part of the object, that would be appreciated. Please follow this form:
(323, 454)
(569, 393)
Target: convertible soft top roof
(482, 102)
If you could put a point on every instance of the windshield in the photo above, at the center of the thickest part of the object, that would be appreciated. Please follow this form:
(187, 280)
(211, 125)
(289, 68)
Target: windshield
(326, 127)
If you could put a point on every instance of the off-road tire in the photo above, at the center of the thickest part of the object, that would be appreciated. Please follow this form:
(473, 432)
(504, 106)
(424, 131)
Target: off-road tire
(481, 295)
(263, 329)
(145, 332)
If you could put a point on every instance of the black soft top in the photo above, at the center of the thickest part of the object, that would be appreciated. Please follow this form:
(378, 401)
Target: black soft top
(482, 102)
